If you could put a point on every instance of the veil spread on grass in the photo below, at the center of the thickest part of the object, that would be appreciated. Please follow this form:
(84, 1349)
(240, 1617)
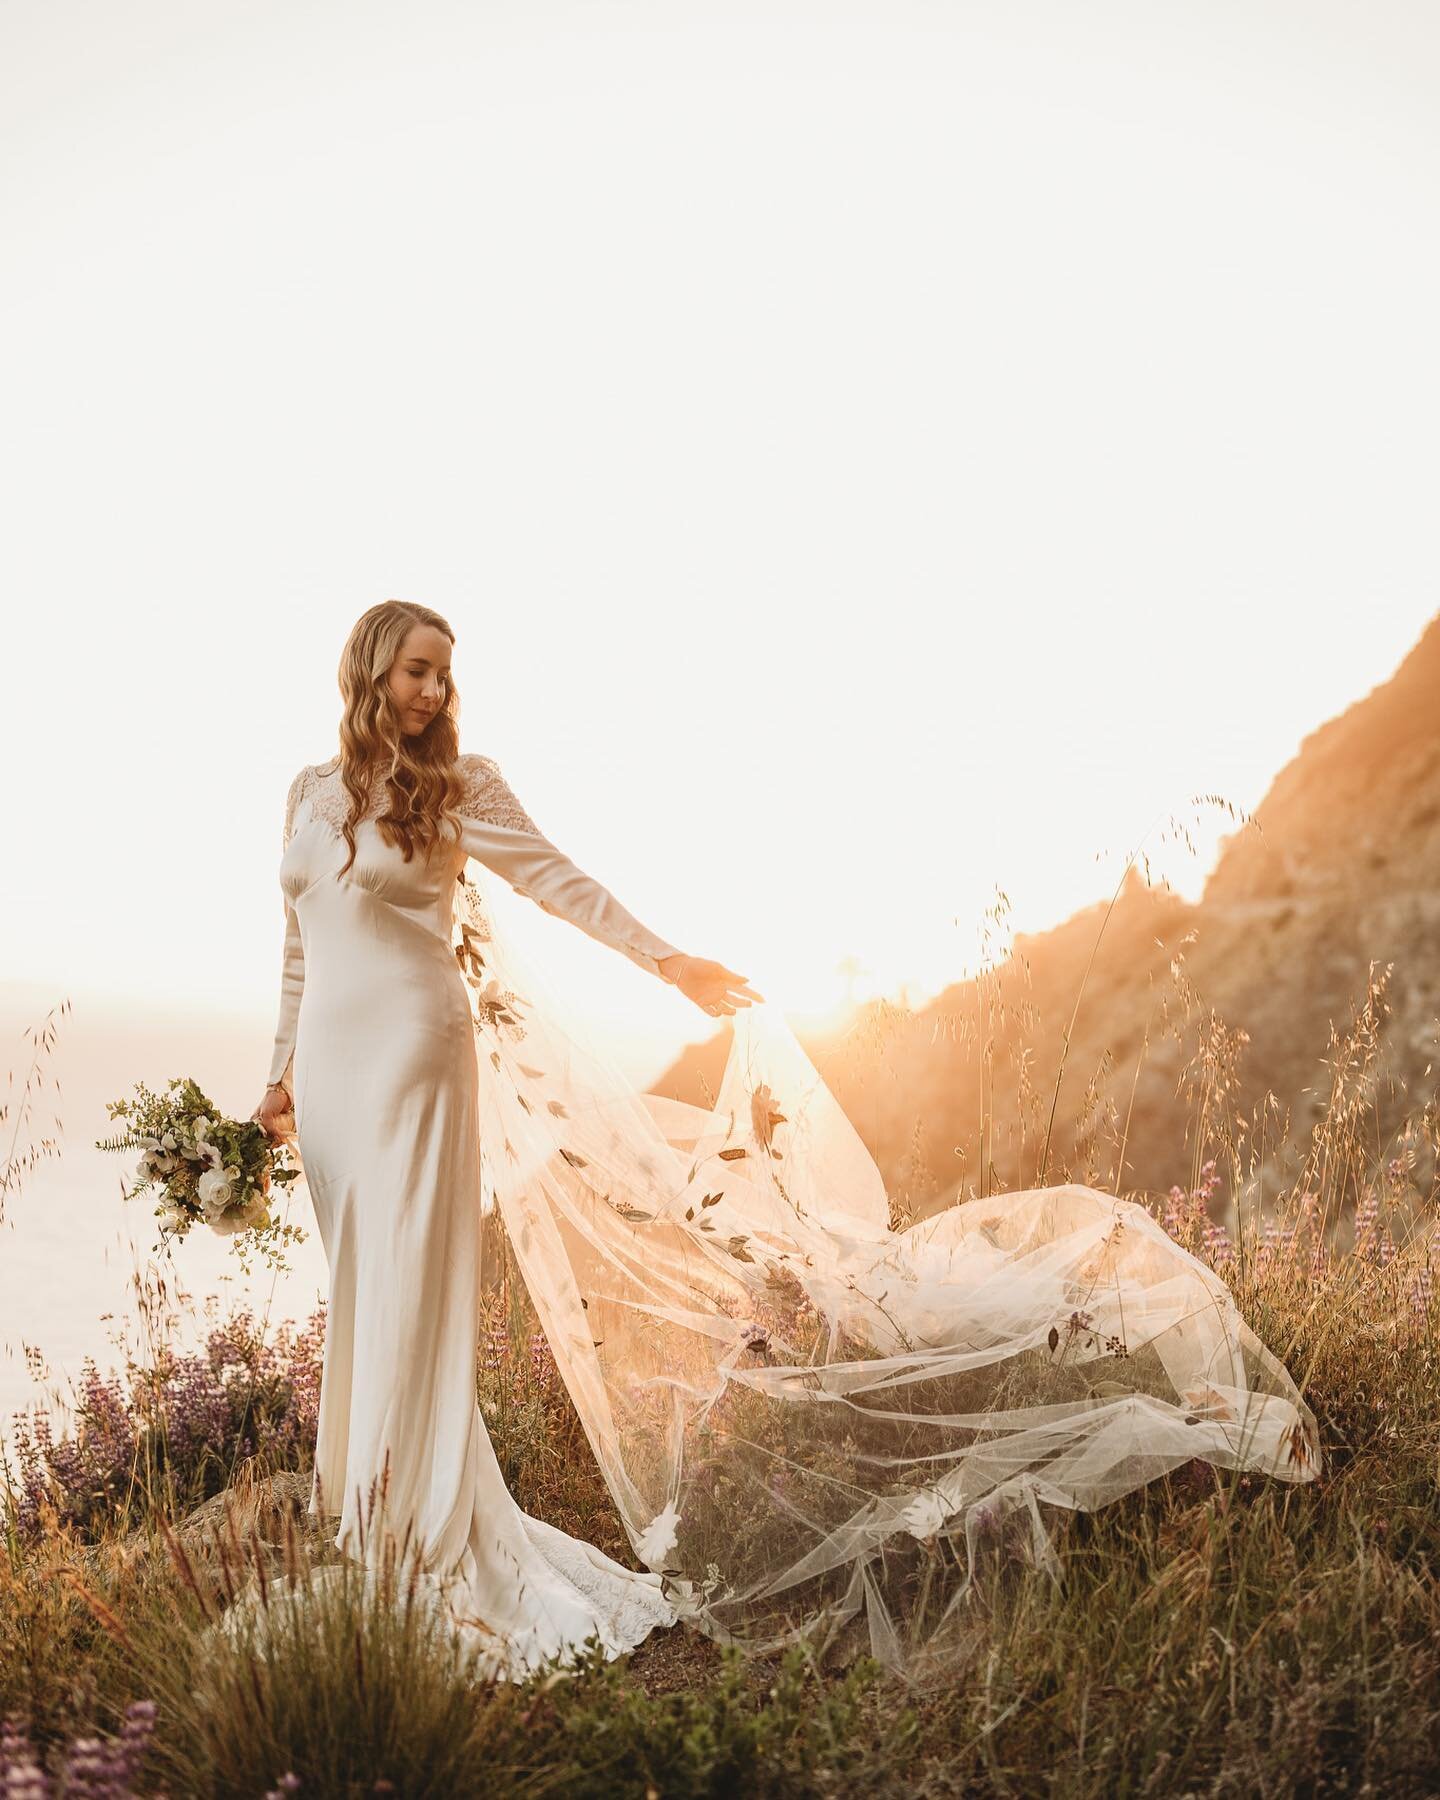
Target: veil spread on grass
(810, 1422)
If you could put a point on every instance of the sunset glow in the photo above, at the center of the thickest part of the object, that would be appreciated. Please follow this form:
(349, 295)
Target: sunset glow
(872, 458)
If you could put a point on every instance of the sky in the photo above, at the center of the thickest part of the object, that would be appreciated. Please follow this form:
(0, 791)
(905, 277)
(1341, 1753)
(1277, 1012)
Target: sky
(873, 456)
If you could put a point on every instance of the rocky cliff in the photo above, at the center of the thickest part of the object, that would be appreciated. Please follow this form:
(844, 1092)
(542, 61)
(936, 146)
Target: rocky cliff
(1186, 1011)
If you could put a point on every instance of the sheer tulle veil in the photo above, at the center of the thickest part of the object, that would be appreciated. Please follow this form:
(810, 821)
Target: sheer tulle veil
(810, 1423)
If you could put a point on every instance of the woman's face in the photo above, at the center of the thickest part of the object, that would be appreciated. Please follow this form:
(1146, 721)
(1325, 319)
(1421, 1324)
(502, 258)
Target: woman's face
(419, 677)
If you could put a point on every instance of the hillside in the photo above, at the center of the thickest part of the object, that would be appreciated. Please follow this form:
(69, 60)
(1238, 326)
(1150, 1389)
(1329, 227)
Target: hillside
(1339, 868)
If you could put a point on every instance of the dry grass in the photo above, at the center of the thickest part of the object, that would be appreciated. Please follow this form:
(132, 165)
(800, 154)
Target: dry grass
(1212, 1634)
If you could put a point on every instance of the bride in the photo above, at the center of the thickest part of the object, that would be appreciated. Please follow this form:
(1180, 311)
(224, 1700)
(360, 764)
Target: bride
(808, 1422)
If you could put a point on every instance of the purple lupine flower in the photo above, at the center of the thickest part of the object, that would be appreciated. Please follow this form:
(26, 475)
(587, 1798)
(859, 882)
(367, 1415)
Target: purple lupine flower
(89, 1769)
(1367, 1215)
(1218, 1248)
(198, 1411)
(985, 1515)
(21, 1774)
(1277, 1242)
(95, 1768)
(542, 1363)
(1184, 1211)
(106, 1768)
(26, 1781)
(135, 1733)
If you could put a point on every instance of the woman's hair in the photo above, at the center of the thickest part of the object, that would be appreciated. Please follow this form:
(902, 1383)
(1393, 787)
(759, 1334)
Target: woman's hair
(423, 784)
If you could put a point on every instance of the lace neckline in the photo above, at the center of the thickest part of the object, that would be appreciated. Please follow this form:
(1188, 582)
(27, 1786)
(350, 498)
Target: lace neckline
(486, 796)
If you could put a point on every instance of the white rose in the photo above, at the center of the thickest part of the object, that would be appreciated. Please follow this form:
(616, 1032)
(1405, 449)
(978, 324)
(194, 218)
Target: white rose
(657, 1540)
(216, 1192)
(172, 1218)
(926, 1513)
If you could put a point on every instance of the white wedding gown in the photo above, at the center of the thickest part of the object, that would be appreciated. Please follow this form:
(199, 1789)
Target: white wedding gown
(808, 1421)
(376, 1042)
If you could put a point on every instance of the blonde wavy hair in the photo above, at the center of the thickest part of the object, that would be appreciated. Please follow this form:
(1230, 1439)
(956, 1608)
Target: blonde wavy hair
(424, 785)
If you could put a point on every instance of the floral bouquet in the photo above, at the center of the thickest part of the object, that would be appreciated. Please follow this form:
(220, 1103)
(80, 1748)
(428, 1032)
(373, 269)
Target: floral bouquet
(205, 1167)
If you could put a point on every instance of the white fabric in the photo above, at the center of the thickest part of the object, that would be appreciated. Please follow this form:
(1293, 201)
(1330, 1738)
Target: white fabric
(375, 1032)
(801, 1415)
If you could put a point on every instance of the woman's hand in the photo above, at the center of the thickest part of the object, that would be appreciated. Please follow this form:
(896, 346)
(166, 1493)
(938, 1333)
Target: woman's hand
(714, 988)
(276, 1114)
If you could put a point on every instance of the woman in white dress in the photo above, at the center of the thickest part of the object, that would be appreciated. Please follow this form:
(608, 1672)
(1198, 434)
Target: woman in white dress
(802, 1415)
(374, 1051)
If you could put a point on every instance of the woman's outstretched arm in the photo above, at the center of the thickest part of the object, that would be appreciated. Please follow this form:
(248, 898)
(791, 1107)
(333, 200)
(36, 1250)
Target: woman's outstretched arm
(497, 831)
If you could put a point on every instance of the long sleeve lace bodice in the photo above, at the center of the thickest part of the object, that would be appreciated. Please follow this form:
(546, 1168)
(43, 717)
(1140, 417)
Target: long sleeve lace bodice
(498, 832)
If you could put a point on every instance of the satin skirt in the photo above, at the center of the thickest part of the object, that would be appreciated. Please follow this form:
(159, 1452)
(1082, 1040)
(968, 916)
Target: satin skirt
(387, 1121)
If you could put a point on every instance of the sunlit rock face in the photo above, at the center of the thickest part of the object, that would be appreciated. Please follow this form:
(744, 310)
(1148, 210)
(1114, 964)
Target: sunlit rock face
(1343, 871)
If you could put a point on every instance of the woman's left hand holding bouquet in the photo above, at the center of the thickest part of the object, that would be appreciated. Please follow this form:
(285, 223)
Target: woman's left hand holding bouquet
(276, 1114)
